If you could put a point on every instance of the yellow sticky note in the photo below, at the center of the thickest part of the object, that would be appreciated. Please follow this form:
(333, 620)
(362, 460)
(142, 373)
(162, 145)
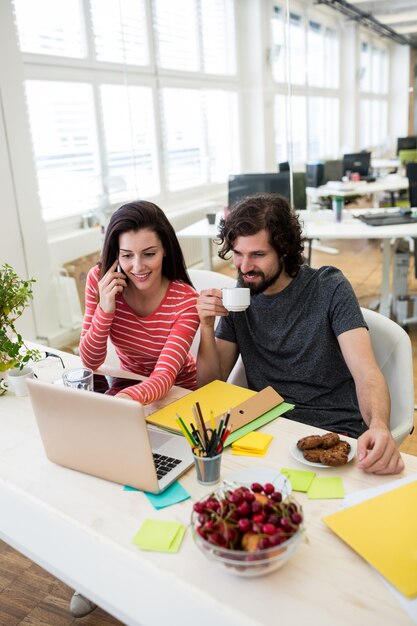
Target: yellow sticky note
(326, 487)
(383, 531)
(159, 535)
(253, 442)
(240, 452)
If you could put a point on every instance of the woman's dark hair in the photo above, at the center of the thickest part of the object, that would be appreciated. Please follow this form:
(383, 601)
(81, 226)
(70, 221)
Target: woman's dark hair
(273, 213)
(135, 216)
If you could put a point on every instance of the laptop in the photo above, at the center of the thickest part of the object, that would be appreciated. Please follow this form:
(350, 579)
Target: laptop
(107, 437)
(387, 219)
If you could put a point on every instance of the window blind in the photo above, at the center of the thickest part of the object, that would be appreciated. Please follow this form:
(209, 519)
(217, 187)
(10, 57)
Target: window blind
(195, 35)
(130, 144)
(63, 130)
(60, 34)
(120, 32)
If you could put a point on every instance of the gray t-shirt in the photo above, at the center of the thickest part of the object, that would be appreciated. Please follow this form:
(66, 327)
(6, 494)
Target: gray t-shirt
(289, 341)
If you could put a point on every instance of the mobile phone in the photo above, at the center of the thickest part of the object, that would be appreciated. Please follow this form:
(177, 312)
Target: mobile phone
(118, 268)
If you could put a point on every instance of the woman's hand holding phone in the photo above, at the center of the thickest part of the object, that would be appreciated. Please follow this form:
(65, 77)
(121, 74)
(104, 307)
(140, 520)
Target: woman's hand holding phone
(112, 283)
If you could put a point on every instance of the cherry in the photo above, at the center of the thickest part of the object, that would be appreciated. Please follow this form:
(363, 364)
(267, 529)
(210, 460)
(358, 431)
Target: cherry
(268, 529)
(264, 543)
(244, 524)
(235, 497)
(199, 507)
(256, 507)
(248, 496)
(244, 508)
(297, 518)
(256, 487)
(269, 488)
(259, 518)
(285, 522)
(276, 496)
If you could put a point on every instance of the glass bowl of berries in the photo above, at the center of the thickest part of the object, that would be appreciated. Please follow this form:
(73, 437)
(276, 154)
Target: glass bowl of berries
(250, 531)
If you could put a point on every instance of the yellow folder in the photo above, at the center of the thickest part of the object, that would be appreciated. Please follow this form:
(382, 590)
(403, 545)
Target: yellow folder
(218, 397)
(383, 530)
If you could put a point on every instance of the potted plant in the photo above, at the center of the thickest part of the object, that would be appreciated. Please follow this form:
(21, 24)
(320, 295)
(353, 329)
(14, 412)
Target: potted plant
(15, 296)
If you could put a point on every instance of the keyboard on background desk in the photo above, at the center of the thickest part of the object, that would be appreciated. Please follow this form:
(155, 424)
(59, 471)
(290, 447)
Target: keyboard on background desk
(387, 219)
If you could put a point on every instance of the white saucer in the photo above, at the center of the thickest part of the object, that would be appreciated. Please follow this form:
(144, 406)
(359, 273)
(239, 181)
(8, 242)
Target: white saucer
(298, 455)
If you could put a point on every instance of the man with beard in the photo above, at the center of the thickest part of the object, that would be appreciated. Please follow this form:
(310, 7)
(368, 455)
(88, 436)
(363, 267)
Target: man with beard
(303, 333)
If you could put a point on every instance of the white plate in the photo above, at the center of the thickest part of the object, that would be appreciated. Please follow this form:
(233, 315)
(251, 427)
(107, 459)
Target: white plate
(262, 475)
(298, 455)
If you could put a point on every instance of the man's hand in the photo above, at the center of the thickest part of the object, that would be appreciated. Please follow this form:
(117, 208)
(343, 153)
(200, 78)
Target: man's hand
(378, 453)
(209, 305)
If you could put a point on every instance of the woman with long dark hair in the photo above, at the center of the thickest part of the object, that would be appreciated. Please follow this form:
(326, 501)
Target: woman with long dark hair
(141, 297)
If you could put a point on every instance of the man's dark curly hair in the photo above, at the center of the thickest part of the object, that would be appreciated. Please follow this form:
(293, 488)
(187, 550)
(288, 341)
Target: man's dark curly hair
(273, 213)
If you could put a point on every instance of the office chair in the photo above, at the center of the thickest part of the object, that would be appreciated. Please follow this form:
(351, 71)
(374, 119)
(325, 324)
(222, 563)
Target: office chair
(299, 180)
(206, 279)
(392, 349)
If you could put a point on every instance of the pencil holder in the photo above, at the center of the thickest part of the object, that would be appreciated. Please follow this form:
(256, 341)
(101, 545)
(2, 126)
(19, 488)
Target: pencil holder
(208, 469)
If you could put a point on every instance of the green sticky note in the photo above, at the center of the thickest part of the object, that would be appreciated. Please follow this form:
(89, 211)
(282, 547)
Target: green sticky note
(159, 535)
(325, 488)
(300, 480)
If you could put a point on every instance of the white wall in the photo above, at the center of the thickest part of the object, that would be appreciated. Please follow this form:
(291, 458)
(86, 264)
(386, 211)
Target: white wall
(23, 242)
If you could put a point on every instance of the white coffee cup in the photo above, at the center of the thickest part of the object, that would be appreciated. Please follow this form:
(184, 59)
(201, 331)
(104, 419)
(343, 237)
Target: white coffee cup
(16, 380)
(236, 298)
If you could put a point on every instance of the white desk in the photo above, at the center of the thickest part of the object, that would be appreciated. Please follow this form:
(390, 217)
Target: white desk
(385, 164)
(80, 529)
(390, 183)
(204, 231)
(321, 225)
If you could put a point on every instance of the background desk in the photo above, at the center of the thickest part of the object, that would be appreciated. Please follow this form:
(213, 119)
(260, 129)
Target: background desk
(391, 183)
(321, 225)
(80, 529)
(206, 232)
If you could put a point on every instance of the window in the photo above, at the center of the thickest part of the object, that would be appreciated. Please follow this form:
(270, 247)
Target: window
(50, 27)
(373, 95)
(62, 121)
(111, 111)
(190, 117)
(290, 122)
(130, 145)
(195, 36)
(120, 33)
(311, 123)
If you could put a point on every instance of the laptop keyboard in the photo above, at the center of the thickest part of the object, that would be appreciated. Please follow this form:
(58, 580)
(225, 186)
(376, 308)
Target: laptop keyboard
(164, 464)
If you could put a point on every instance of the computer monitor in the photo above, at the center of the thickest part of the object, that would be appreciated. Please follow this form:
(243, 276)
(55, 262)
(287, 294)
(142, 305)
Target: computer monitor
(242, 185)
(406, 143)
(333, 170)
(358, 162)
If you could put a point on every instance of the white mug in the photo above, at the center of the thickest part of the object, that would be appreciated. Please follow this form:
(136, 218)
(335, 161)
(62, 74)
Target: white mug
(236, 298)
(16, 380)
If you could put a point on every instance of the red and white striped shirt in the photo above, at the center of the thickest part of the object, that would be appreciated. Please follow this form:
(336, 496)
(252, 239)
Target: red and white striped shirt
(156, 346)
